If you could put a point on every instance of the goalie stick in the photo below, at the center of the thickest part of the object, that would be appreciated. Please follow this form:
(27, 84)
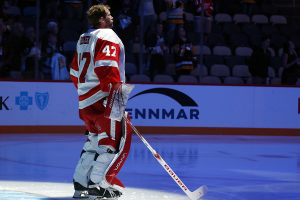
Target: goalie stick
(193, 195)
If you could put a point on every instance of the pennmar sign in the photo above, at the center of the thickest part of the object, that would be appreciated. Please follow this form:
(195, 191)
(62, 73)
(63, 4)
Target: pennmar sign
(157, 105)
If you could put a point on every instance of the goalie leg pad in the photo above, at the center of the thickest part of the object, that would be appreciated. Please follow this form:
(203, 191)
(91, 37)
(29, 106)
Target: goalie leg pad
(114, 167)
(82, 171)
(82, 168)
(102, 159)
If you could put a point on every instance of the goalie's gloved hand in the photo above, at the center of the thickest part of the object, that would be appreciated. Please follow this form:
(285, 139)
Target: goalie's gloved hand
(177, 4)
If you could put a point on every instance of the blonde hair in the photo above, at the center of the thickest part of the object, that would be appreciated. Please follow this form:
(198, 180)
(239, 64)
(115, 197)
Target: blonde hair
(95, 13)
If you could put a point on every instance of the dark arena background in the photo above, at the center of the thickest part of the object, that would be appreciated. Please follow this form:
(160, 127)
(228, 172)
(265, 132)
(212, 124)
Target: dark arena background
(217, 95)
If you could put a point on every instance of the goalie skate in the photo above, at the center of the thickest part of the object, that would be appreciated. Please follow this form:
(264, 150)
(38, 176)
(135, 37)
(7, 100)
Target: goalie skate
(97, 193)
(80, 191)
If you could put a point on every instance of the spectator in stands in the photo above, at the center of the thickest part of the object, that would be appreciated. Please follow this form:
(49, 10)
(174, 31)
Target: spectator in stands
(17, 33)
(52, 27)
(73, 9)
(184, 54)
(51, 8)
(260, 61)
(156, 48)
(6, 51)
(124, 25)
(48, 56)
(208, 9)
(4, 16)
(149, 19)
(247, 6)
(291, 65)
(28, 52)
(175, 14)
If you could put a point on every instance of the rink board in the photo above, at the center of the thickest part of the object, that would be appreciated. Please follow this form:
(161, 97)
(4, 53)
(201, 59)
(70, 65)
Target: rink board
(171, 109)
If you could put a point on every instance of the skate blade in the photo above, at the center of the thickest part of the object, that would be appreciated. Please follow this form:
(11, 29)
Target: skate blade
(94, 198)
(81, 195)
(100, 198)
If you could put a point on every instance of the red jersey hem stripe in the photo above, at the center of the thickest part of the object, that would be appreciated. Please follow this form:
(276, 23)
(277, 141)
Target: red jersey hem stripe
(90, 93)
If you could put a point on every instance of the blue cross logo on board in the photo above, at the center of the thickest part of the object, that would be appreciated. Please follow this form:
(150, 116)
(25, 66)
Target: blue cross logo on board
(23, 101)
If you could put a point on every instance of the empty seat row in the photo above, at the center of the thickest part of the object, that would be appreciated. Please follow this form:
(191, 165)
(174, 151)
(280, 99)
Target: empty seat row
(240, 39)
(205, 79)
(215, 70)
(16, 11)
(237, 18)
(257, 19)
(250, 29)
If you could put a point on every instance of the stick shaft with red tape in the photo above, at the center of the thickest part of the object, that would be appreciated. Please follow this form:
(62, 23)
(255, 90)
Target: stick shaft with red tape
(193, 195)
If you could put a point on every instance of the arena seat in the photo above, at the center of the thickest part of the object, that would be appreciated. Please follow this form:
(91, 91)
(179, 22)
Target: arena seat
(211, 79)
(243, 51)
(231, 61)
(241, 71)
(195, 72)
(170, 69)
(210, 60)
(221, 51)
(280, 70)
(219, 70)
(70, 46)
(206, 50)
(276, 81)
(241, 18)
(138, 78)
(272, 51)
(163, 16)
(222, 17)
(14, 11)
(249, 80)
(29, 11)
(250, 29)
(130, 68)
(271, 72)
(260, 19)
(239, 40)
(233, 80)
(288, 30)
(230, 29)
(280, 52)
(187, 79)
(278, 19)
(163, 79)
(269, 29)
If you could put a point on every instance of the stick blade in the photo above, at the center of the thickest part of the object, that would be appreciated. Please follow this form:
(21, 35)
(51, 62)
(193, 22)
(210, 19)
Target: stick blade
(197, 194)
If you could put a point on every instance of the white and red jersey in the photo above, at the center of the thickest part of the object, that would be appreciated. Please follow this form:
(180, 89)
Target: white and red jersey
(208, 7)
(99, 62)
